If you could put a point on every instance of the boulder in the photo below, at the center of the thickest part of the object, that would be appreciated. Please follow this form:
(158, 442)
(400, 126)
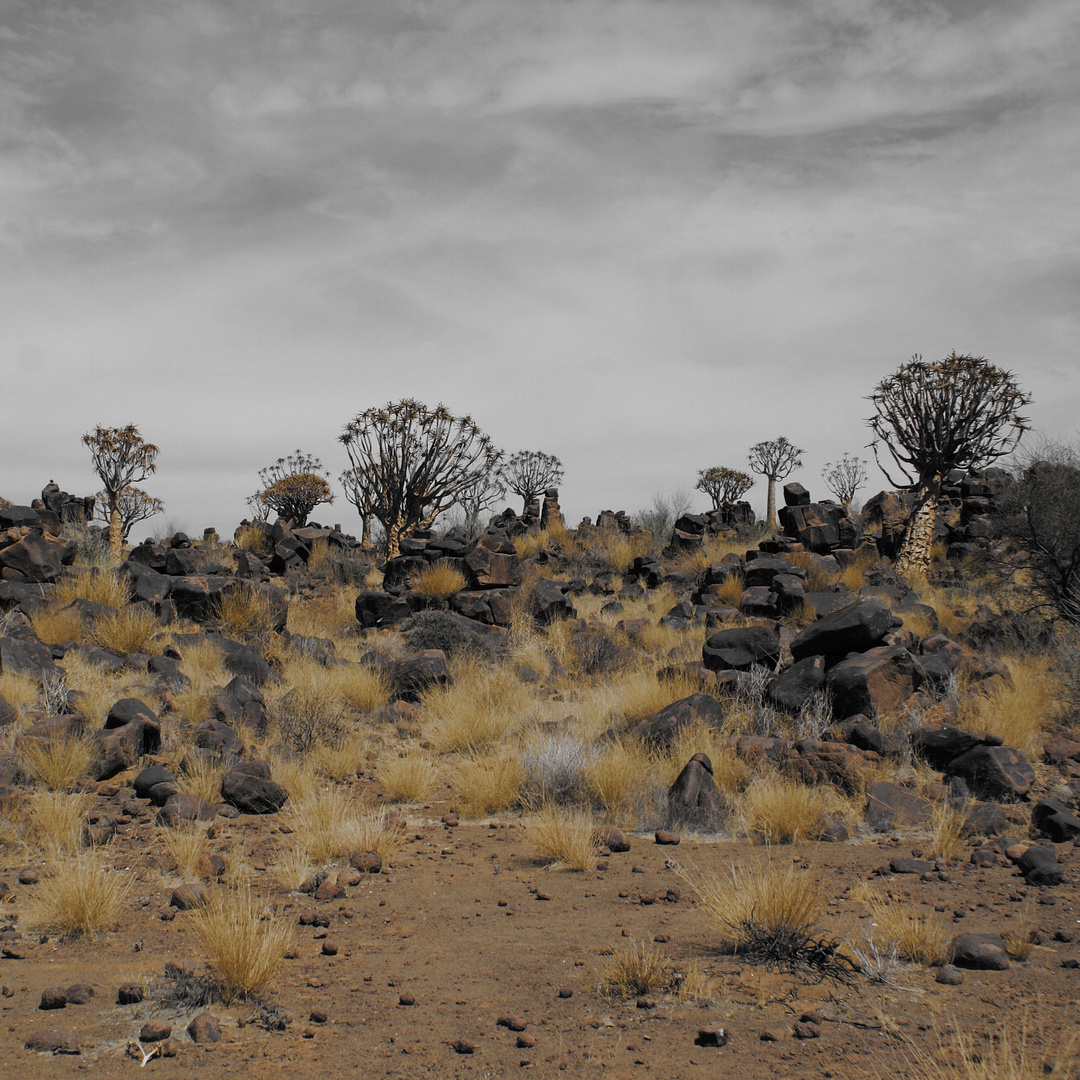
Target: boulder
(1054, 820)
(412, 675)
(183, 807)
(741, 648)
(694, 797)
(695, 710)
(854, 628)
(35, 558)
(25, 655)
(248, 787)
(550, 602)
(132, 711)
(875, 681)
(795, 685)
(889, 806)
(994, 772)
(983, 952)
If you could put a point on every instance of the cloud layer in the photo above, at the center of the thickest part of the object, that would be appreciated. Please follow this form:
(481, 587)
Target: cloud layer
(639, 235)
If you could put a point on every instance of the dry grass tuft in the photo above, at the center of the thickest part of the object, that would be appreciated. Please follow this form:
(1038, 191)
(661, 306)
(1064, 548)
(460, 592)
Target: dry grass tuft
(252, 538)
(635, 969)
(923, 940)
(947, 830)
(481, 706)
(186, 845)
(329, 614)
(201, 775)
(83, 894)
(363, 688)
(564, 837)
(128, 630)
(20, 691)
(729, 593)
(615, 777)
(100, 586)
(486, 785)
(329, 824)
(204, 664)
(245, 612)
(410, 775)
(439, 581)
(58, 626)
(307, 707)
(58, 764)
(245, 941)
(53, 822)
(1018, 713)
(774, 810)
(101, 689)
(345, 757)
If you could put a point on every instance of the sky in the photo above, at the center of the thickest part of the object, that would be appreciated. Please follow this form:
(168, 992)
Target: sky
(640, 235)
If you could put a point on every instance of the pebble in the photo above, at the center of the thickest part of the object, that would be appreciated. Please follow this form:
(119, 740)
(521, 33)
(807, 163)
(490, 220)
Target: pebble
(204, 1028)
(155, 1031)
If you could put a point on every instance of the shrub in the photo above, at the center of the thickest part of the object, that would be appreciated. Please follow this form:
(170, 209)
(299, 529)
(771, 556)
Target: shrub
(82, 894)
(555, 765)
(924, 940)
(245, 612)
(410, 776)
(596, 653)
(57, 626)
(245, 943)
(329, 824)
(58, 764)
(307, 706)
(488, 784)
(636, 969)
(476, 711)
(564, 837)
(128, 630)
(1009, 1052)
(439, 581)
(443, 630)
(99, 586)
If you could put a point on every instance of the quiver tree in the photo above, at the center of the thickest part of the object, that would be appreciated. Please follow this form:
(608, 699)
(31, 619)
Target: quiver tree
(932, 417)
(482, 495)
(723, 485)
(774, 460)
(410, 463)
(134, 506)
(844, 477)
(292, 487)
(530, 472)
(121, 458)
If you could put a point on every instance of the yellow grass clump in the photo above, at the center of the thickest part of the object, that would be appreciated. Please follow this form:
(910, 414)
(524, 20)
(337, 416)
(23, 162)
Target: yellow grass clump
(204, 664)
(307, 707)
(100, 586)
(252, 538)
(201, 775)
(635, 969)
(616, 777)
(1018, 713)
(329, 614)
(57, 764)
(947, 830)
(82, 894)
(477, 710)
(245, 612)
(775, 810)
(186, 845)
(410, 775)
(439, 581)
(329, 824)
(58, 625)
(18, 690)
(53, 821)
(132, 629)
(564, 837)
(486, 785)
(245, 943)
(924, 940)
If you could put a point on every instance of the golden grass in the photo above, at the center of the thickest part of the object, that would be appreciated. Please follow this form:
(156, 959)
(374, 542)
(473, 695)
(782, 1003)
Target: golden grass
(918, 623)
(245, 943)
(58, 764)
(329, 614)
(245, 612)
(554, 538)
(296, 773)
(923, 940)
(775, 810)
(330, 824)
(100, 586)
(617, 549)
(947, 831)
(186, 845)
(635, 969)
(564, 837)
(58, 626)
(411, 775)
(616, 778)
(481, 706)
(363, 688)
(307, 707)
(729, 593)
(486, 785)
(101, 690)
(343, 758)
(82, 894)
(292, 866)
(817, 579)
(20, 691)
(128, 630)
(53, 821)
(252, 538)
(204, 664)
(1018, 713)
(202, 776)
(854, 574)
(439, 581)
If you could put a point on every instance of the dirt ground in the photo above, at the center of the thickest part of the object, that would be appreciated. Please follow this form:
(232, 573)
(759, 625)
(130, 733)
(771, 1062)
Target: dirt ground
(468, 927)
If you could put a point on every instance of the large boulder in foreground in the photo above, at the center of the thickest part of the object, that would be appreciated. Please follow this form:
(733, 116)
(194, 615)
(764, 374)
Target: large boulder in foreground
(873, 682)
(695, 710)
(855, 628)
(741, 648)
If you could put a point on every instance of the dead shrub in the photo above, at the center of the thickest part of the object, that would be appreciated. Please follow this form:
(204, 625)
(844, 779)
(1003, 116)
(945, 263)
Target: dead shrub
(409, 776)
(488, 784)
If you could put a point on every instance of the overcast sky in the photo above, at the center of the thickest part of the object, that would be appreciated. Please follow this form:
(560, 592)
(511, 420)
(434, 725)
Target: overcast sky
(638, 234)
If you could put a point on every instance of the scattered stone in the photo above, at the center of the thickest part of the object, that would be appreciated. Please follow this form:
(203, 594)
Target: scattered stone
(667, 838)
(513, 1021)
(28, 877)
(525, 1042)
(55, 997)
(155, 1031)
(204, 1028)
(319, 1016)
(949, 975)
(406, 999)
(712, 1036)
(129, 994)
(615, 840)
(329, 948)
(982, 952)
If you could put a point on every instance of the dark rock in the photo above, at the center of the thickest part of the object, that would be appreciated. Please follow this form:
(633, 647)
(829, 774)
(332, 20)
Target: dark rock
(149, 778)
(129, 994)
(52, 1042)
(667, 838)
(615, 840)
(741, 648)
(855, 628)
(55, 997)
(795, 685)
(949, 975)
(184, 806)
(367, 862)
(204, 1028)
(218, 739)
(696, 710)
(132, 711)
(412, 675)
(994, 772)
(711, 1036)
(189, 896)
(244, 787)
(155, 1031)
(694, 797)
(79, 994)
(877, 680)
(889, 806)
(982, 952)
(1055, 820)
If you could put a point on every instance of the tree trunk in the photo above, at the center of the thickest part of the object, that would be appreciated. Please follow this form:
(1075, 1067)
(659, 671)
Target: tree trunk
(116, 534)
(365, 534)
(770, 511)
(914, 557)
(394, 533)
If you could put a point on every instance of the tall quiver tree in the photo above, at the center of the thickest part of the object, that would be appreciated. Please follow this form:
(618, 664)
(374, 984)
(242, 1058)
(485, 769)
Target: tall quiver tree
(529, 473)
(410, 463)
(774, 460)
(121, 458)
(932, 417)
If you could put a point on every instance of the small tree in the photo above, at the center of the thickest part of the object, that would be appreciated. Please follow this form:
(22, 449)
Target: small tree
(530, 472)
(844, 477)
(723, 485)
(410, 463)
(932, 417)
(774, 460)
(293, 486)
(134, 506)
(121, 458)
(483, 495)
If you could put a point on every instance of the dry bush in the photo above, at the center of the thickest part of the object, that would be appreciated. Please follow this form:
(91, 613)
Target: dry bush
(555, 764)
(100, 690)
(245, 612)
(695, 985)
(345, 757)
(252, 538)
(20, 691)
(201, 775)
(1017, 713)
(330, 824)
(618, 777)
(486, 785)
(373, 831)
(245, 942)
(635, 969)
(947, 830)
(53, 821)
(729, 593)
(477, 710)
(775, 810)
(307, 707)
(58, 626)
(132, 629)
(439, 581)
(410, 776)
(328, 614)
(363, 688)
(564, 837)
(780, 901)
(923, 940)
(854, 574)
(82, 894)
(204, 664)
(100, 586)
(58, 764)
(186, 845)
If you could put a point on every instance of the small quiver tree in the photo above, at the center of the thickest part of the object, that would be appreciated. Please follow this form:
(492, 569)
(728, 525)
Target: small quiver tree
(121, 458)
(724, 486)
(293, 486)
(410, 463)
(774, 460)
(935, 416)
(844, 477)
(529, 473)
